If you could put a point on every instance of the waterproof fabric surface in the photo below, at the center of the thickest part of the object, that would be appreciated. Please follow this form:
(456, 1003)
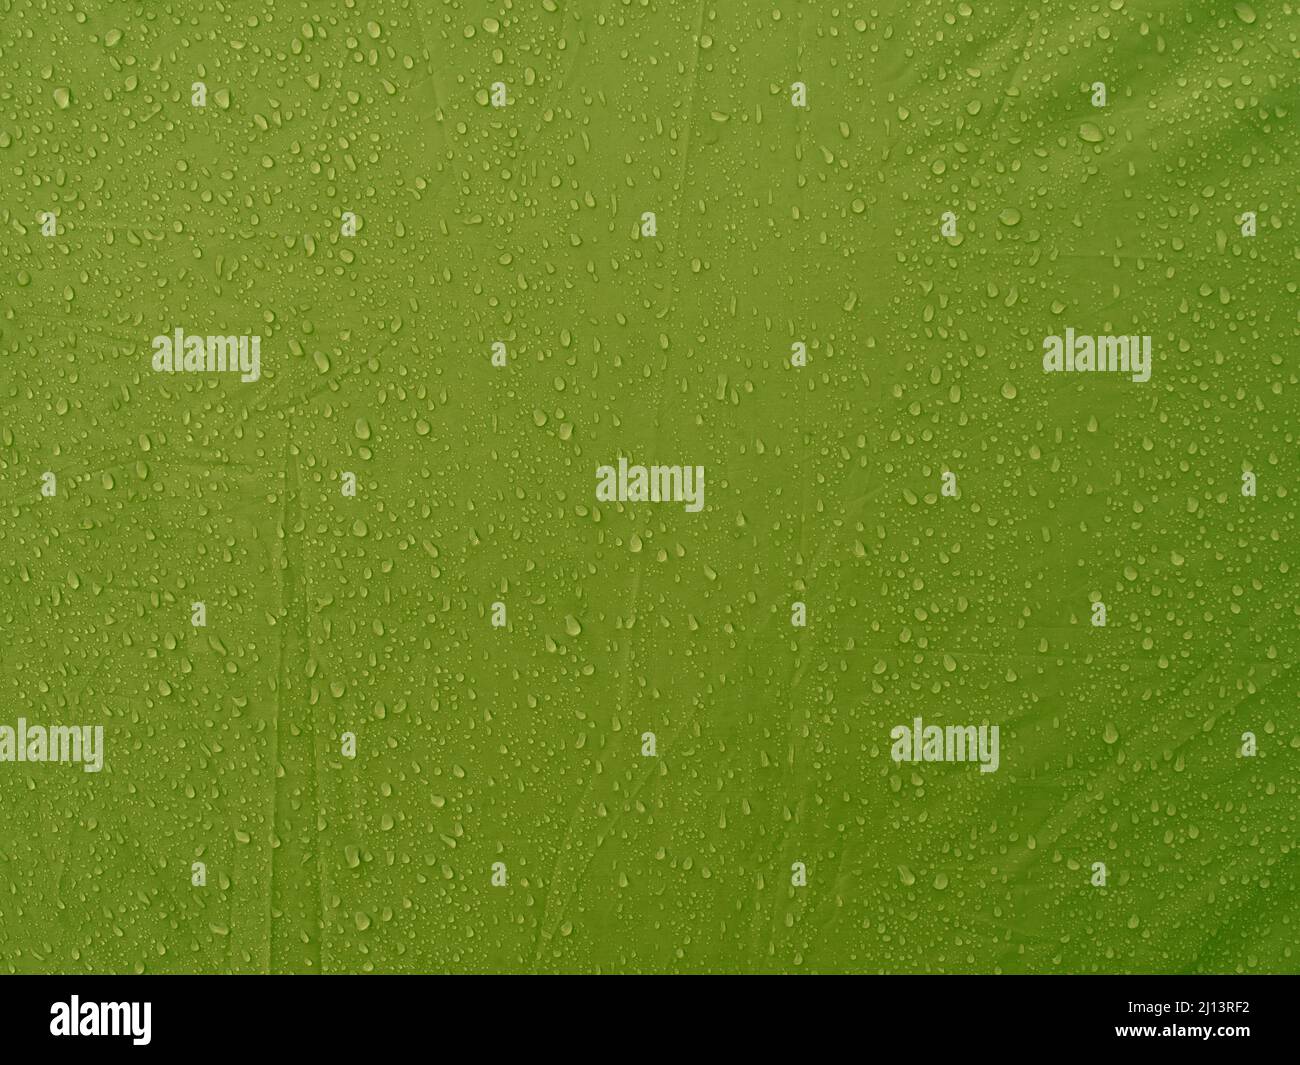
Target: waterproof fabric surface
(664, 451)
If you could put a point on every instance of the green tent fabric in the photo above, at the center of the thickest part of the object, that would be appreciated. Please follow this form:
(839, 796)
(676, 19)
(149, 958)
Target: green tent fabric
(552, 486)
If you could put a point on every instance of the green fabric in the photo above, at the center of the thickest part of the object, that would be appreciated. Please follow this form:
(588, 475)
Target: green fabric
(663, 343)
